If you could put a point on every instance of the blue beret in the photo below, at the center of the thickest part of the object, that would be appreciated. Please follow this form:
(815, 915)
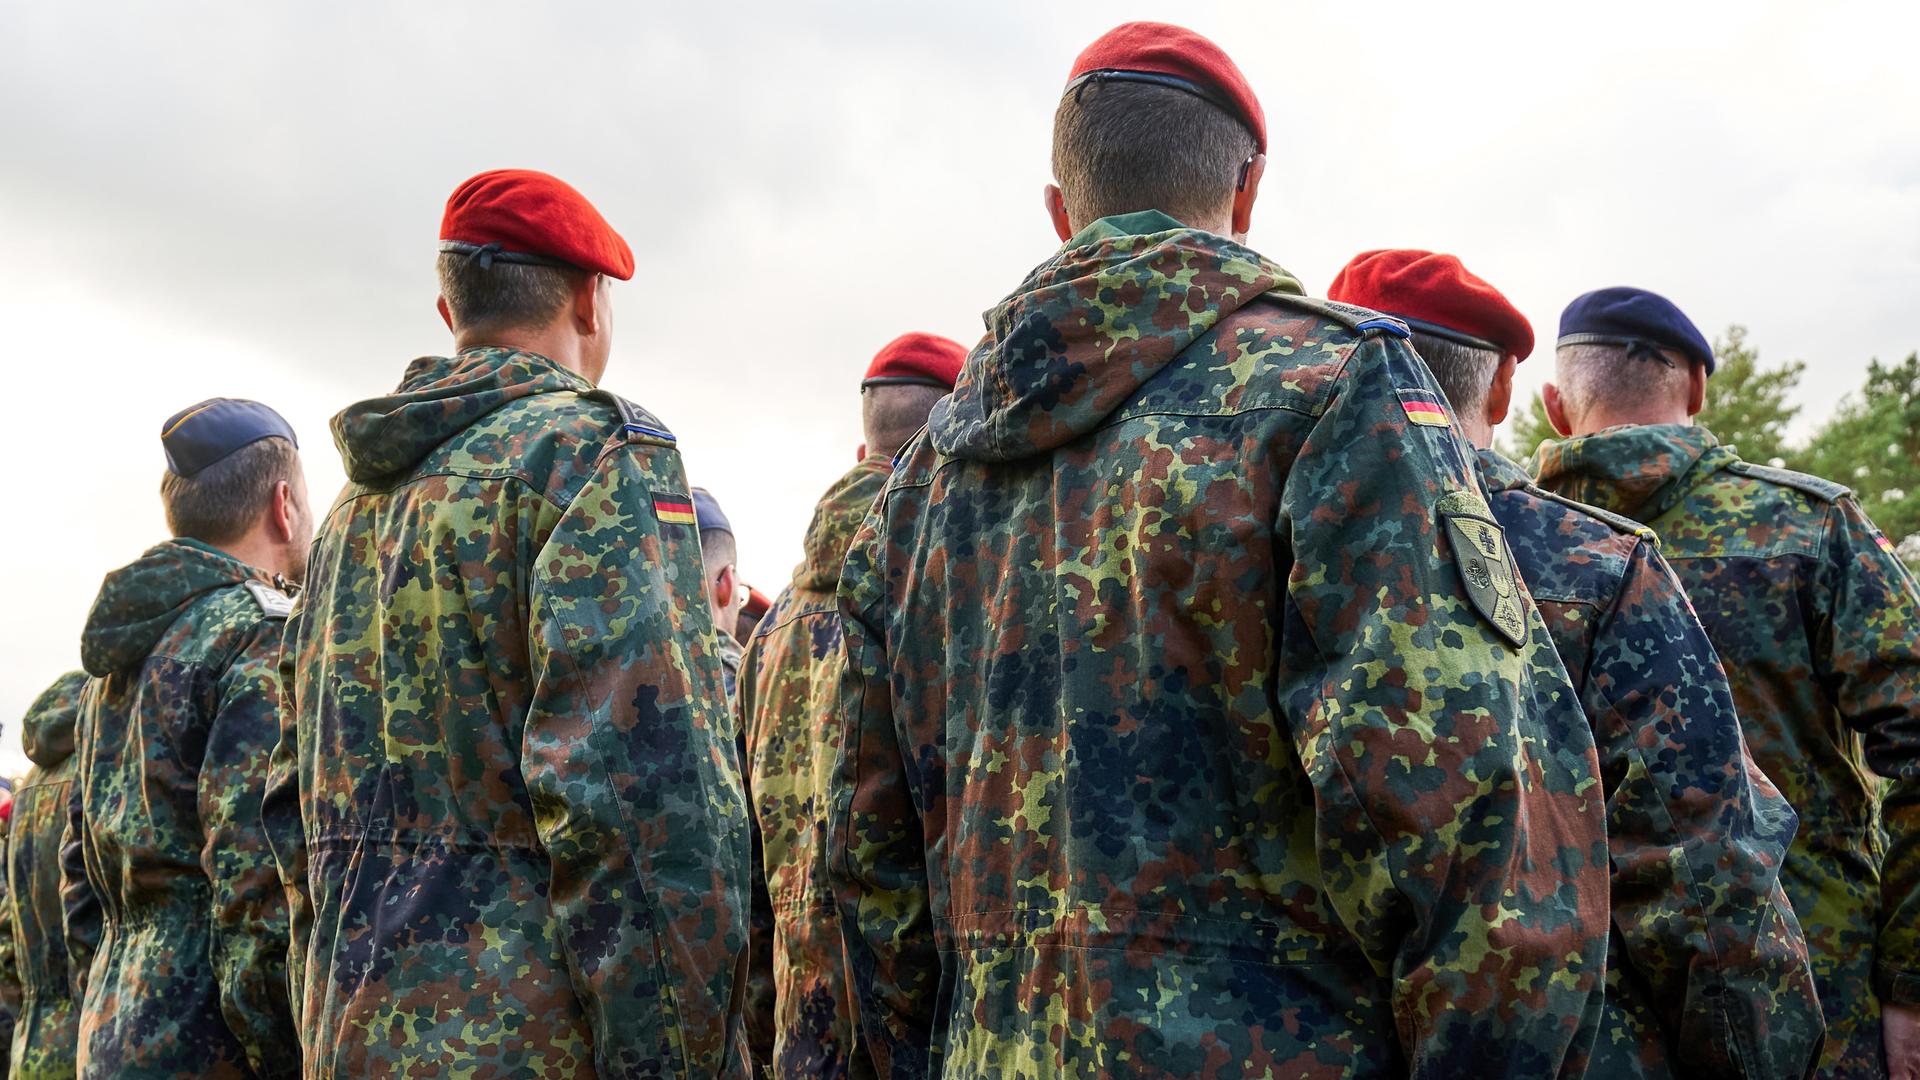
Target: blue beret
(198, 436)
(1624, 316)
(706, 511)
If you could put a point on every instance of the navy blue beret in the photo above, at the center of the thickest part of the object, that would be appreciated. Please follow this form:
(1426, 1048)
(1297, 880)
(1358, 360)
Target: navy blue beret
(707, 512)
(1625, 316)
(198, 436)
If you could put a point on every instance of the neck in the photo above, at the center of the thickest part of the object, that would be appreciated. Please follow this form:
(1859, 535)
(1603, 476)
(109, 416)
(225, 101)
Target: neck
(1599, 419)
(256, 549)
(554, 341)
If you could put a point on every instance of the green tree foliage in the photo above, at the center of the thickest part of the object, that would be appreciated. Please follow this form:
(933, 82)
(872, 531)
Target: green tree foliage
(1872, 445)
(1526, 428)
(1746, 404)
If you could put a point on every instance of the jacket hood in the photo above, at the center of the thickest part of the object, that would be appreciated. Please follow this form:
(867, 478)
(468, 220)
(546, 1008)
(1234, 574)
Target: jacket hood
(47, 732)
(1501, 473)
(439, 397)
(1638, 470)
(835, 519)
(139, 601)
(1088, 327)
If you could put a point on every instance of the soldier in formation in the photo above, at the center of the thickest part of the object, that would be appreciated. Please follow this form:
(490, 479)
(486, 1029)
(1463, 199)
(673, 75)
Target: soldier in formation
(187, 972)
(790, 684)
(1179, 685)
(1815, 619)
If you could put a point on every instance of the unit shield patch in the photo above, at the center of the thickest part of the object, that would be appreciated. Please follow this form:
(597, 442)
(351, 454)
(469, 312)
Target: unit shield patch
(1480, 551)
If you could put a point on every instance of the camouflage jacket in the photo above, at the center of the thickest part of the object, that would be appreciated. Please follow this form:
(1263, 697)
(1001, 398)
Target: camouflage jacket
(1818, 625)
(1708, 972)
(48, 1027)
(788, 708)
(189, 979)
(506, 801)
(1176, 742)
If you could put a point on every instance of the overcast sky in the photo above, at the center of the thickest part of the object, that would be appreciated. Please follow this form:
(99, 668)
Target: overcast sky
(241, 199)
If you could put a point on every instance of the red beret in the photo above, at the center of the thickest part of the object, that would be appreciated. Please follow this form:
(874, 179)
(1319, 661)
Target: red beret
(757, 603)
(522, 216)
(923, 359)
(1434, 294)
(1172, 56)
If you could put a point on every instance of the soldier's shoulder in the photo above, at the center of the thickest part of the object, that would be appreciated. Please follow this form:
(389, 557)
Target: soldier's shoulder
(1616, 523)
(1280, 351)
(1328, 323)
(1819, 488)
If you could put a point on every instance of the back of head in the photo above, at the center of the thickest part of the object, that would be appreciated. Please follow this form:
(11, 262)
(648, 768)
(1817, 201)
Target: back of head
(1155, 117)
(1627, 356)
(503, 296)
(219, 504)
(1122, 147)
(902, 382)
(1464, 372)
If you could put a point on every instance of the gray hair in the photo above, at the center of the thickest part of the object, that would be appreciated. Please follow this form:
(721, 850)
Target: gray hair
(1121, 147)
(1463, 372)
(503, 295)
(1592, 374)
(889, 415)
(218, 504)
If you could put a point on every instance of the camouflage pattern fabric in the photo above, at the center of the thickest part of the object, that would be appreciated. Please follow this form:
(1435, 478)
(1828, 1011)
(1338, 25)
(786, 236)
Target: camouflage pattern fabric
(1816, 622)
(48, 1027)
(1174, 743)
(10, 989)
(505, 801)
(189, 979)
(789, 710)
(1707, 973)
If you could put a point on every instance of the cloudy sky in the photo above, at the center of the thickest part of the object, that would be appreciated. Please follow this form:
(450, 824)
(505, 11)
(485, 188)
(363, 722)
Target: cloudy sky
(241, 199)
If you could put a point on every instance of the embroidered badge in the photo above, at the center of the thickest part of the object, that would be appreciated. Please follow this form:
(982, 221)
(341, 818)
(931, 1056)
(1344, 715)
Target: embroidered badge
(673, 509)
(1480, 550)
(273, 603)
(1424, 407)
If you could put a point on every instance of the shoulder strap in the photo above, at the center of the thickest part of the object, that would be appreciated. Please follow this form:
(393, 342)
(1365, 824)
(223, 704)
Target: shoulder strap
(1619, 522)
(1824, 490)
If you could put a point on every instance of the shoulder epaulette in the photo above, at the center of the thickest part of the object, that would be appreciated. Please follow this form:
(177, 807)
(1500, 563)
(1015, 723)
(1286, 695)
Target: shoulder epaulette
(1824, 490)
(274, 604)
(1619, 522)
(635, 422)
(1355, 318)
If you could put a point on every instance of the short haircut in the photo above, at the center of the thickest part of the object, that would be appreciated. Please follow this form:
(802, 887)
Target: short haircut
(889, 415)
(1593, 373)
(218, 504)
(717, 549)
(1464, 372)
(504, 294)
(1121, 147)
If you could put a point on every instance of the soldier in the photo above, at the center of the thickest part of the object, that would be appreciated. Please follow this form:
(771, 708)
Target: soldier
(47, 1029)
(505, 800)
(189, 979)
(1707, 973)
(788, 709)
(720, 562)
(1815, 620)
(1176, 741)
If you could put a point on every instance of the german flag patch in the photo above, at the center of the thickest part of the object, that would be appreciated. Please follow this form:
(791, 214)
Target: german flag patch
(1885, 544)
(1424, 407)
(673, 509)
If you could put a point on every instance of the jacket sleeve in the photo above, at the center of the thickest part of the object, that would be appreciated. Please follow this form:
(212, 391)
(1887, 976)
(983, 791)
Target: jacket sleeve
(80, 913)
(1459, 823)
(249, 910)
(876, 859)
(760, 999)
(9, 948)
(628, 758)
(1869, 661)
(285, 831)
(1698, 836)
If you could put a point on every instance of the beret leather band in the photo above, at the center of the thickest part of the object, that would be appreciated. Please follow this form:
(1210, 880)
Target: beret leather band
(902, 380)
(488, 254)
(1155, 78)
(1422, 326)
(1637, 348)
